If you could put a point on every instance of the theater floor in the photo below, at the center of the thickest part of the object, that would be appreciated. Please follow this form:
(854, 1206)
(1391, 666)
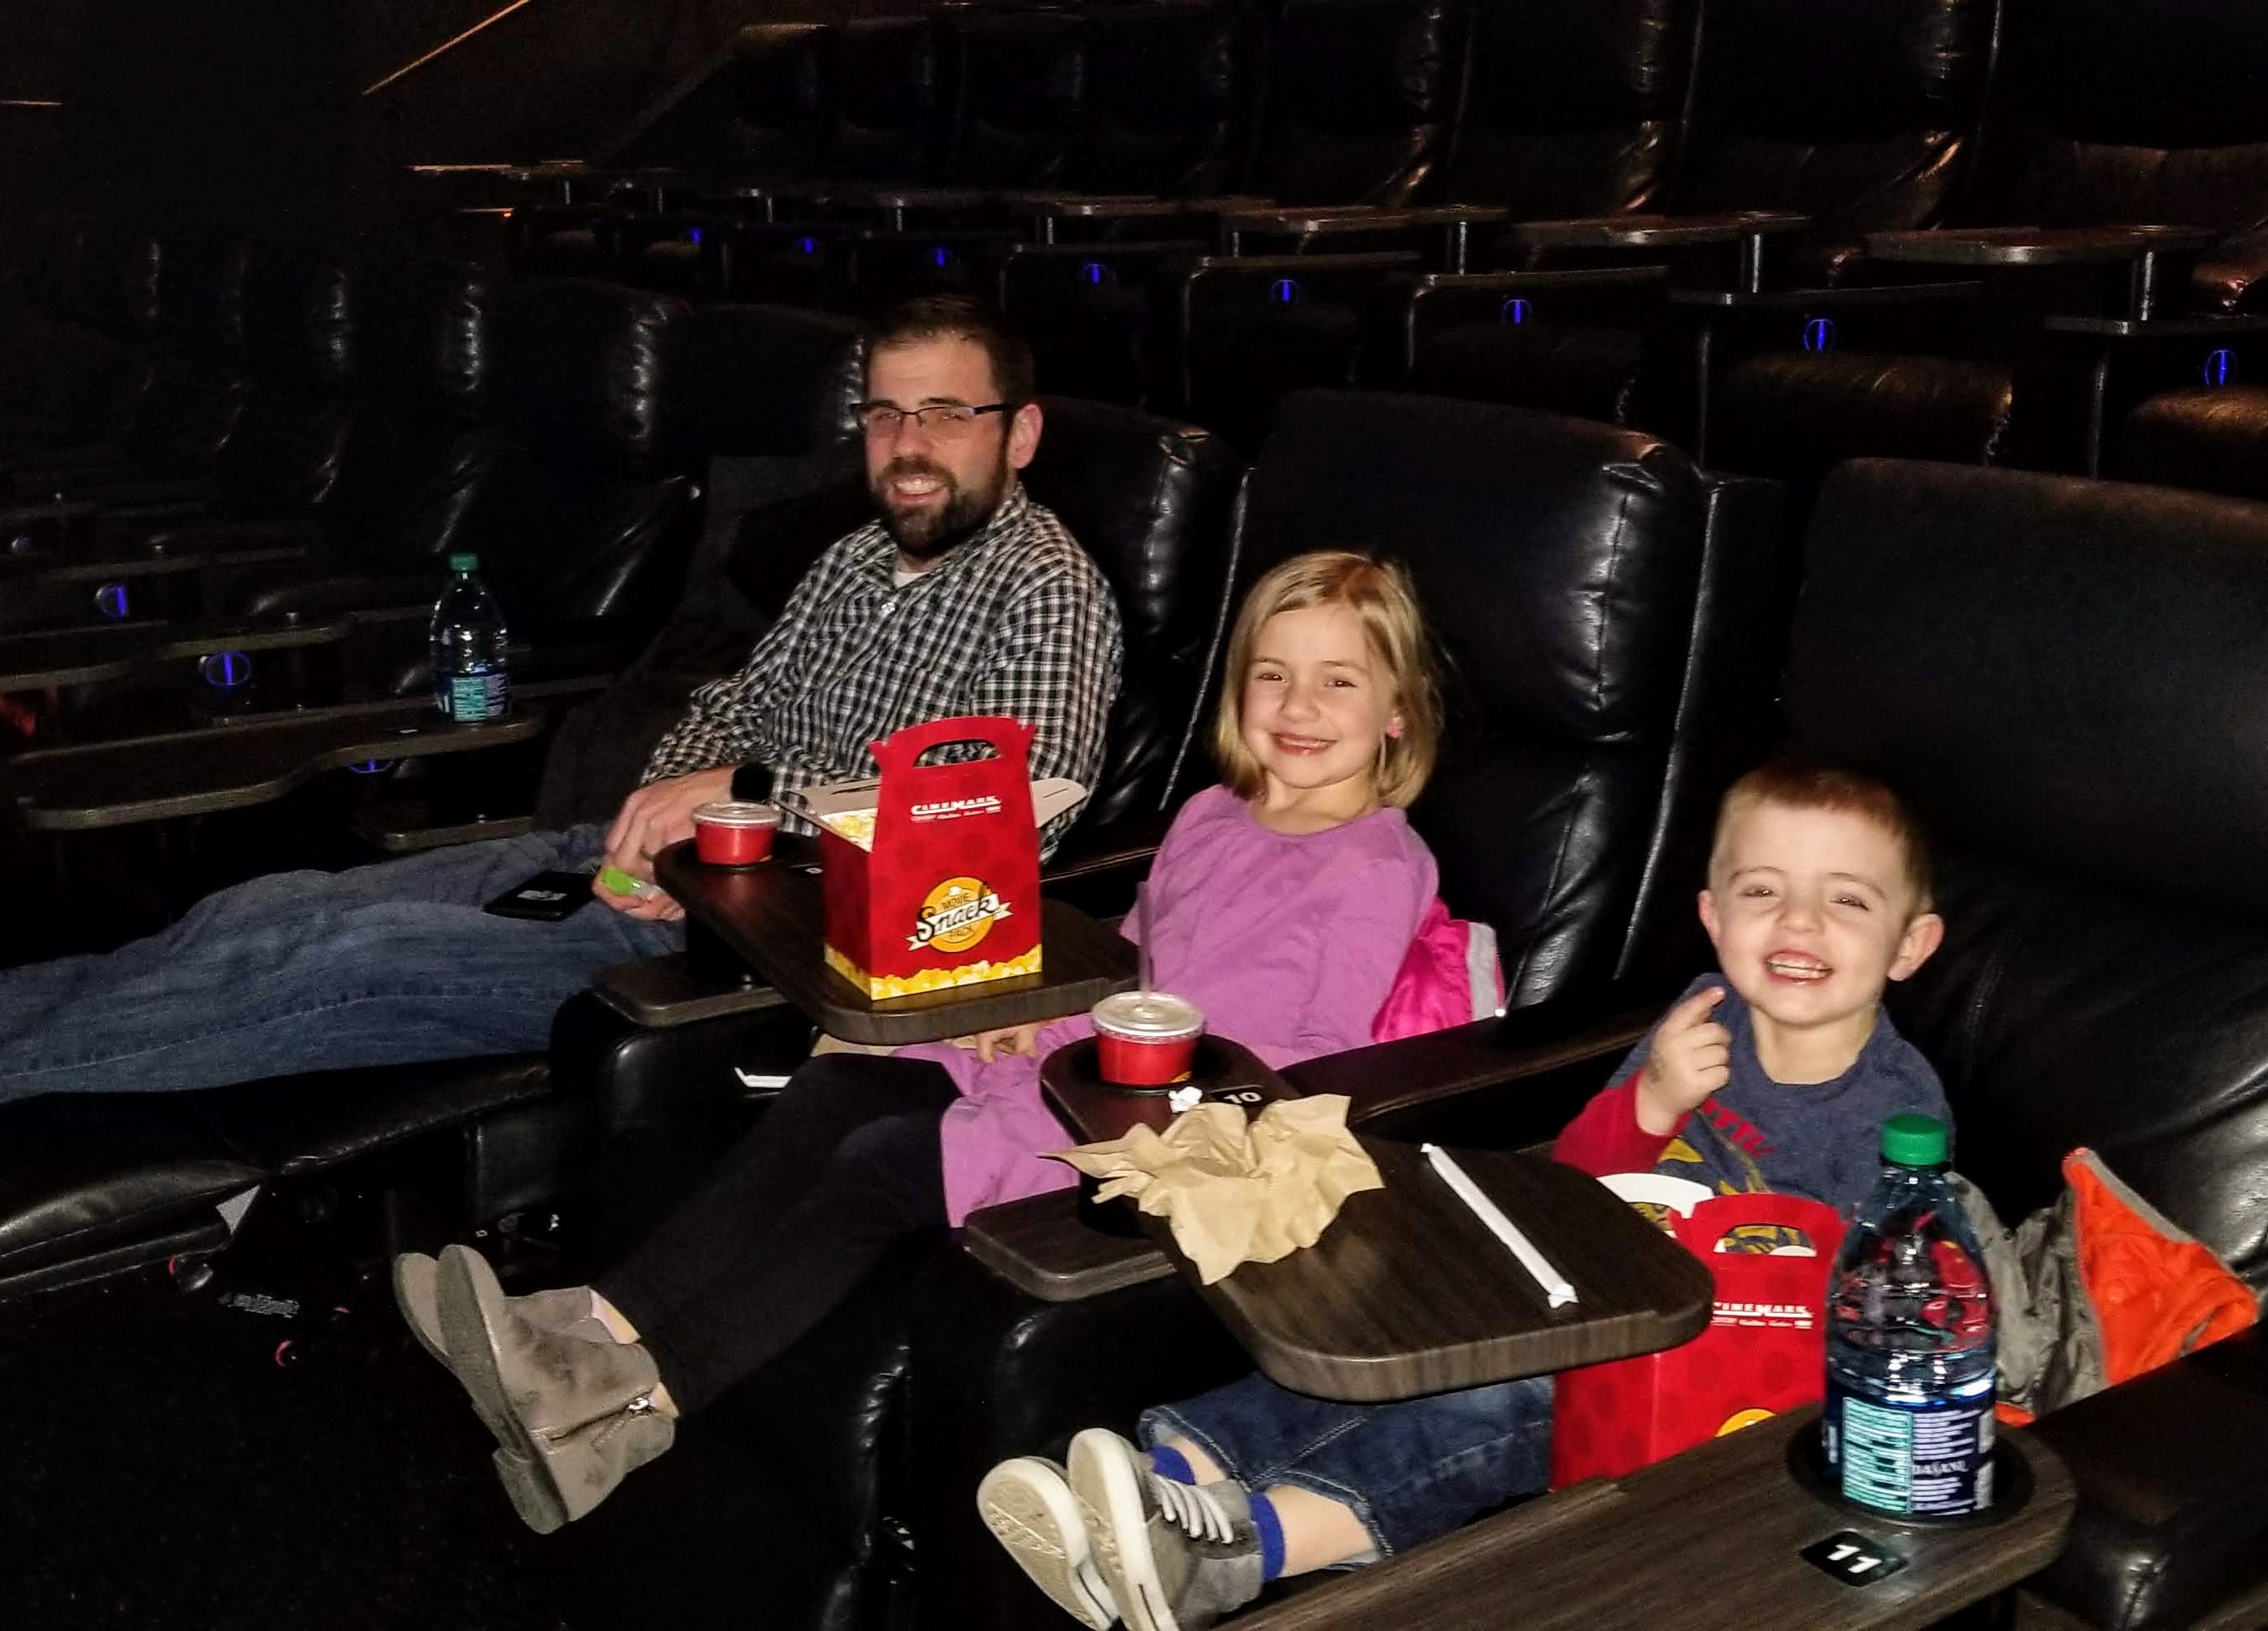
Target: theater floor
(160, 1470)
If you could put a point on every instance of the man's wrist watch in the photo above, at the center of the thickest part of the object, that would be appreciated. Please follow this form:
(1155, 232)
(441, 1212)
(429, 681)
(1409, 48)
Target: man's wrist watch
(753, 783)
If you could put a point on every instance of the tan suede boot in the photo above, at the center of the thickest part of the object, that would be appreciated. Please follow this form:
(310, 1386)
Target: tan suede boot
(573, 1416)
(575, 1472)
(414, 1275)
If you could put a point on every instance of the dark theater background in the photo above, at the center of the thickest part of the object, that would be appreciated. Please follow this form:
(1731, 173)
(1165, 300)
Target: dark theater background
(1878, 382)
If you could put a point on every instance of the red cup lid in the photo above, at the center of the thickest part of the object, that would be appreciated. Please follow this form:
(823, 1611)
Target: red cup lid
(737, 812)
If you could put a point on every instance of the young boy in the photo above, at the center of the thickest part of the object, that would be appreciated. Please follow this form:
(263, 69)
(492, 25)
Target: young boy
(1776, 1074)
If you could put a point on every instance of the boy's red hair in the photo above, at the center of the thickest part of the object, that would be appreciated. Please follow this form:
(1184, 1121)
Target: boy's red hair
(1797, 785)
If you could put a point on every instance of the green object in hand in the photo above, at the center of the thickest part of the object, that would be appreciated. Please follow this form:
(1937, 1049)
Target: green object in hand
(620, 882)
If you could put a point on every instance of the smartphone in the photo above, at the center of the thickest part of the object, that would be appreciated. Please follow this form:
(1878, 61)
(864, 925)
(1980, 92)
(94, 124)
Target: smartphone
(546, 897)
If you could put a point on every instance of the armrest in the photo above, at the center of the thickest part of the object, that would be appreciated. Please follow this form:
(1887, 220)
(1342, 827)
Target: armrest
(2234, 277)
(1364, 270)
(1455, 222)
(325, 591)
(2169, 1525)
(2032, 246)
(216, 536)
(1653, 232)
(37, 532)
(1126, 206)
(1524, 1047)
(1843, 297)
(660, 993)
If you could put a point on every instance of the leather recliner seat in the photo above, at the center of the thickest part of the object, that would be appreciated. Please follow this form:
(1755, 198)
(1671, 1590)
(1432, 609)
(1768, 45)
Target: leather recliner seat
(2053, 671)
(1356, 105)
(78, 349)
(198, 389)
(1681, 109)
(1151, 503)
(2103, 115)
(99, 1184)
(585, 522)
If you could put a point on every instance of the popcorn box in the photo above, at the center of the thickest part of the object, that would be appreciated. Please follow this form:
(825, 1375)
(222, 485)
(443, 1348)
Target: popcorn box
(931, 873)
(1763, 1351)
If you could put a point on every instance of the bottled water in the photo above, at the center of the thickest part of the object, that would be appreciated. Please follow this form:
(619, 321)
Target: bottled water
(469, 681)
(1907, 1424)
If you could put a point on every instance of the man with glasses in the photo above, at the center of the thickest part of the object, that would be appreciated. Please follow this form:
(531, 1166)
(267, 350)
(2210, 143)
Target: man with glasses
(964, 597)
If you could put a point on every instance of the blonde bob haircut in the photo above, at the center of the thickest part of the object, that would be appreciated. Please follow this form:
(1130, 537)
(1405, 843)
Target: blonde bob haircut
(1378, 592)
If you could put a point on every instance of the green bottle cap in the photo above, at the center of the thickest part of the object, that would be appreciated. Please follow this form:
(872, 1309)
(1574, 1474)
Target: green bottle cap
(464, 563)
(1913, 1140)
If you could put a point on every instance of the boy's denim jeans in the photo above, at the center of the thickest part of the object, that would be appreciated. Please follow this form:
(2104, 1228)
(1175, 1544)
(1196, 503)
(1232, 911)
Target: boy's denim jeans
(1411, 1470)
(390, 964)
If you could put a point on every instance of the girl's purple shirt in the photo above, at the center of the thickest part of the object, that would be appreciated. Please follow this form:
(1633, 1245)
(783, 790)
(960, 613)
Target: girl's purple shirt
(1288, 943)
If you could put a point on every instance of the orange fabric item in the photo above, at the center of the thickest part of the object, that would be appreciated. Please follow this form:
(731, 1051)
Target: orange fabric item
(2154, 1298)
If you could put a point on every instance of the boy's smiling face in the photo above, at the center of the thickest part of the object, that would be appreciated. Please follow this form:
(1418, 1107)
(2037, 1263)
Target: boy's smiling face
(1812, 911)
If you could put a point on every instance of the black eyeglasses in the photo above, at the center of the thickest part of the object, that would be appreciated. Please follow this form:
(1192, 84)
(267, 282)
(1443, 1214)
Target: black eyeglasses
(943, 422)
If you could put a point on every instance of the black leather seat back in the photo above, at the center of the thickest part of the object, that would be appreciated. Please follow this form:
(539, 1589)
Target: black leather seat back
(79, 354)
(425, 438)
(1171, 88)
(757, 109)
(1863, 117)
(582, 516)
(2108, 113)
(199, 393)
(113, 281)
(2065, 677)
(1358, 99)
(892, 100)
(1152, 501)
(1563, 600)
(1571, 107)
(1022, 85)
(766, 399)
(776, 125)
(302, 349)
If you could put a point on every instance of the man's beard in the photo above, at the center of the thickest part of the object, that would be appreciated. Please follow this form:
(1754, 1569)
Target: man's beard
(924, 535)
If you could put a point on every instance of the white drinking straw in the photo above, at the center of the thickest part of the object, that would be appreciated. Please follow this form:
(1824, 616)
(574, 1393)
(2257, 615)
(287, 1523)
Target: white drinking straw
(1557, 1290)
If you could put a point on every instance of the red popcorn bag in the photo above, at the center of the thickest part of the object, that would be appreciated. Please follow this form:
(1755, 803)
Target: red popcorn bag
(1765, 1349)
(931, 876)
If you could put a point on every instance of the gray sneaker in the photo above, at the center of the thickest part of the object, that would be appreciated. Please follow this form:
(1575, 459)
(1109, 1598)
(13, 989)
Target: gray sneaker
(1029, 1507)
(1177, 1556)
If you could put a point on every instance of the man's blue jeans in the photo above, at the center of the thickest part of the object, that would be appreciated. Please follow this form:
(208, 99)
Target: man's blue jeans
(1411, 1470)
(392, 964)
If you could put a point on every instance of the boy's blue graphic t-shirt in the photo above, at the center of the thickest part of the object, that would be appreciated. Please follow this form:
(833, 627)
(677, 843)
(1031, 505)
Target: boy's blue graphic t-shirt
(1820, 1139)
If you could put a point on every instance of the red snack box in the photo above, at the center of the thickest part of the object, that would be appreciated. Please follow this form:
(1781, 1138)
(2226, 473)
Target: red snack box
(1764, 1351)
(947, 891)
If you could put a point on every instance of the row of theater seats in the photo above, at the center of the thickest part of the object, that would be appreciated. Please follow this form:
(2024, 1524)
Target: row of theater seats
(1539, 141)
(1615, 617)
(203, 436)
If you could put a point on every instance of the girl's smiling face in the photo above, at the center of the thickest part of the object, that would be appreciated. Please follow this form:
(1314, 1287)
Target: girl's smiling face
(1317, 706)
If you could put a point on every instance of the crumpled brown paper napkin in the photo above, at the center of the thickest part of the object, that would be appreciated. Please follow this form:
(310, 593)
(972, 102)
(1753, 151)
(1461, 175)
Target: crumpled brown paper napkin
(1238, 1191)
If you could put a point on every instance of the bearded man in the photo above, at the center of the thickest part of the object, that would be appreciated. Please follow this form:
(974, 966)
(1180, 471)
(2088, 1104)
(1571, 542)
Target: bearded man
(964, 597)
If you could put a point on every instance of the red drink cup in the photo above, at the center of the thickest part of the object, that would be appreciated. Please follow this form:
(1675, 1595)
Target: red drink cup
(1145, 1039)
(734, 833)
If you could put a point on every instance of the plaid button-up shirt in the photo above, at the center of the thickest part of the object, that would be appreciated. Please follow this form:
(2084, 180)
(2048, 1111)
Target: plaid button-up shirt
(1017, 622)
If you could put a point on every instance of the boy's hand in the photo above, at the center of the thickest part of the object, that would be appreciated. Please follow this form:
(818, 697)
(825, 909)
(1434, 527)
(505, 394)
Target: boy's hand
(992, 1044)
(1692, 1058)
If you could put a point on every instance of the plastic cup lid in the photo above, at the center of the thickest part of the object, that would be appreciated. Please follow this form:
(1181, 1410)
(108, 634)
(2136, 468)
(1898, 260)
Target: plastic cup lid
(737, 812)
(1148, 1016)
(1913, 1140)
